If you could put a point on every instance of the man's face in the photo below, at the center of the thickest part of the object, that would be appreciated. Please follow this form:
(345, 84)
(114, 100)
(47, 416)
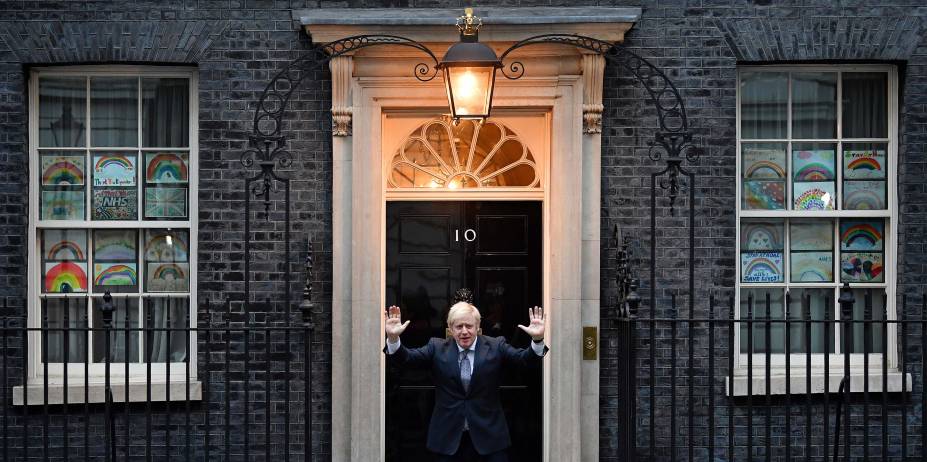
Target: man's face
(464, 330)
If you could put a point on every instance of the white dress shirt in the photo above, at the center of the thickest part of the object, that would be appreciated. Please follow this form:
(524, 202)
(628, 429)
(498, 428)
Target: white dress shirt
(537, 348)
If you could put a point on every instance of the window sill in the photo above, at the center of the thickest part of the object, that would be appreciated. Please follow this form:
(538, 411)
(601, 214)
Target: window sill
(798, 382)
(138, 392)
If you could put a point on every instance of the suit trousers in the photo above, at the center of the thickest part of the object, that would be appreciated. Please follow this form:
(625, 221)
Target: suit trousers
(467, 453)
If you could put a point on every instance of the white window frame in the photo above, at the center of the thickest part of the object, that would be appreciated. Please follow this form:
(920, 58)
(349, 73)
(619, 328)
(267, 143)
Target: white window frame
(138, 372)
(798, 360)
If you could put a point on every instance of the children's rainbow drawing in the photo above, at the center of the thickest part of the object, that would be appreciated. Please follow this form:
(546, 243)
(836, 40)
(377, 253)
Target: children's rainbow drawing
(868, 164)
(166, 168)
(764, 195)
(62, 205)
(764, 169)
(168, 277)
(861, 267)
(118, 274)
(62, 170)
(761, 236)
(864, 195)
(816, 165)
(113, 170)
(861, 235)
(114, 245)
(814, 196)
(65, 277)
(65, 250)
(763, 163)
(812, 267)
(811, 236)
(166, 247)
(761, 266)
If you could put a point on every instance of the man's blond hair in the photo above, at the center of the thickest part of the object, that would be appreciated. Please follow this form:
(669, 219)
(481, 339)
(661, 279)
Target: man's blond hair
(461, 309)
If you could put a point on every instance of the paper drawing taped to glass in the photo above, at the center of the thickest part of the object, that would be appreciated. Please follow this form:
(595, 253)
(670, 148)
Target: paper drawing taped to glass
(864, 195)
(168, 277)
(764, 195)
(62, 245)
(63, 170)
(812, 267)
(814, 196)
(761, 236)
(861, 234)
(864, 164)
(115, 204)
(761, 266)
(165, 245)
(812, 235)
(113, 170)
(166, 168)
(114, 274)
(165, 202)
(114, 245)
(62, 205)
(65, 276)
(813, 165)
(861, 267)
(766, 164)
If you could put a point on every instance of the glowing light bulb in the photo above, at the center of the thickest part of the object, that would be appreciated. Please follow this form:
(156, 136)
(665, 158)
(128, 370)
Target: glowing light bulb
(433, 184)
(453, 185)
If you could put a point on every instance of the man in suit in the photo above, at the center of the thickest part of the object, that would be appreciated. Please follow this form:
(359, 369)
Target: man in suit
(467, 423)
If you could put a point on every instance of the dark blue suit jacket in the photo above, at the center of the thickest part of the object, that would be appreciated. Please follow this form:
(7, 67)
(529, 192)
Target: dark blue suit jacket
(480, 404)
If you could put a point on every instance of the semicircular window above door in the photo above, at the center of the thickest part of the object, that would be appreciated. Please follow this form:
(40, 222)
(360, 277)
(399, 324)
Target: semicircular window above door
(442, 155)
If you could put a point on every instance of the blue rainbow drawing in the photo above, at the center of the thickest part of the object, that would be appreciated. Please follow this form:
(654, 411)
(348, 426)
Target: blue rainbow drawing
(166, 168)
(115, 275)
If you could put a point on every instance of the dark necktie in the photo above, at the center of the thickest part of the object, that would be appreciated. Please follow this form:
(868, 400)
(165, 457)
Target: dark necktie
(465, 369)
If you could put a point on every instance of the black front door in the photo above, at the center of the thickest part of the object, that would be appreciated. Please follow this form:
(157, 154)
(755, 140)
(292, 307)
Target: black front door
(433, 249)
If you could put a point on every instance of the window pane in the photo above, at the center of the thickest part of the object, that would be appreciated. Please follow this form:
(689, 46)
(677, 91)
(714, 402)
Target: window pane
(812, 251)
(761, 249)
(64, 260)
(816, 305)
(166, 257)
(864, 185)
(763, 105)
(166, 182)
(65, 313)
(869, 304)
(115, 188)
(814, 105)
(115, 261)
(114, 111)
(120, 339)
(61, 190)
(762, 304)
(162, 342)
(814, 176)
(62, 111)
(764, 167)
(165, 112)
(861, 245)
(865, 104)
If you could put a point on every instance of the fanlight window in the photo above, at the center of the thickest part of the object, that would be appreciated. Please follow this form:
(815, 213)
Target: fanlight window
(442, 155)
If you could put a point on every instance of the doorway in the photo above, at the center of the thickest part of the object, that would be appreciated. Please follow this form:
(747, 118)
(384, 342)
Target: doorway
(434, 248)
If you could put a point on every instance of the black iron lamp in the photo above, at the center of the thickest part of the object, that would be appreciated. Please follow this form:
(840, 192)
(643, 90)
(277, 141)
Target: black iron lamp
(469, 71)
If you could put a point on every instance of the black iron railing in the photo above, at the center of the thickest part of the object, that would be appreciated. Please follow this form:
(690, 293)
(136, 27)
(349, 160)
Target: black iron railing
(722, 388)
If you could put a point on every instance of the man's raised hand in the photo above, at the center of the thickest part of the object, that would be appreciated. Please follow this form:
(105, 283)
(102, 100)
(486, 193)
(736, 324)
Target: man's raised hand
(536, 328)
(393, 324)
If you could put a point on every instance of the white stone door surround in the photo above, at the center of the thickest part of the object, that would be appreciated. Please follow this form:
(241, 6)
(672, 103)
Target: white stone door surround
(559, 80)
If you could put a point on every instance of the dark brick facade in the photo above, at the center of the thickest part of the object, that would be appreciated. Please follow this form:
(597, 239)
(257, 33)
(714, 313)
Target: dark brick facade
(238, 45)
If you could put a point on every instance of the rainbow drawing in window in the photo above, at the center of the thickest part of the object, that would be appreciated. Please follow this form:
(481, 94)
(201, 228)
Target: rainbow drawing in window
(62, 205)
(113, 170)
(761, 266)
(62, 170)
(761, 236)
(114, 274)
(763, 164)
(168, 277)
(812, 267)
(165, 246)
(166, 168)
(65, 250)
(114, 245)
(861, 234)
(65, 276)
(814, 196)
(813, 165)
(864, 164)
(864, 195)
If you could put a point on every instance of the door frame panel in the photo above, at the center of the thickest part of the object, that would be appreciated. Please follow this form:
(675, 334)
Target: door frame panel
(570, 259)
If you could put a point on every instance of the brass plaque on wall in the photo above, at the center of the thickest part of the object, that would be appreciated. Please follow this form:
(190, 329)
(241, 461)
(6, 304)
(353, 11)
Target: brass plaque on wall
(590, 343)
